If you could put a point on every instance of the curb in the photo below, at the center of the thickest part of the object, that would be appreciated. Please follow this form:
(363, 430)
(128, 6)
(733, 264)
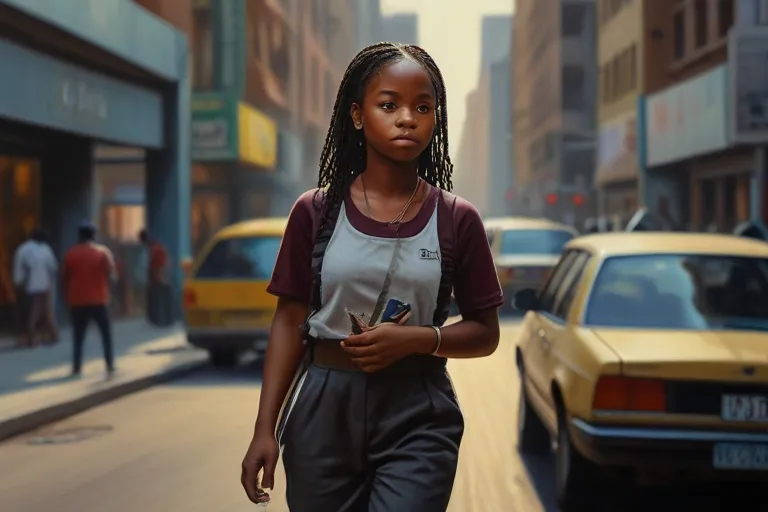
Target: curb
(56, 412)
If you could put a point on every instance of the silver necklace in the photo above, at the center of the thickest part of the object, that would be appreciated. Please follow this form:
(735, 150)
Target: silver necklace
(399, 218)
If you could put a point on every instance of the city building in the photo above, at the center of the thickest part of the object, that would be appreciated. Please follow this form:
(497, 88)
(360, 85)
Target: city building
(620, 41)
(555, 91)
(85, 73)
(400, 28)
(472, 165)
(484, 174)
(369, 28)
(265, 82)
(705, 130)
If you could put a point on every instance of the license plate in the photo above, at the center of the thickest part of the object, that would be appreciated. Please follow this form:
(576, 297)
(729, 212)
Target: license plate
(740, 456)
(747, 408)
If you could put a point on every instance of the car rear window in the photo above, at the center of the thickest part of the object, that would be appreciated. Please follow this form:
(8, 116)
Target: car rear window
(685, 292)
(240, 258)
(534, 241)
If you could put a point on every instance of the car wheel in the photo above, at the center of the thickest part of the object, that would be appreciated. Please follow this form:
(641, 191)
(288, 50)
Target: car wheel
(223, 358)
(532, 436)
(575, 476)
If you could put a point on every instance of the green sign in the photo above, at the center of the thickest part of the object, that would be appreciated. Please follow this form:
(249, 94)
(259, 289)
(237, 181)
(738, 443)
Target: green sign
(214, 127)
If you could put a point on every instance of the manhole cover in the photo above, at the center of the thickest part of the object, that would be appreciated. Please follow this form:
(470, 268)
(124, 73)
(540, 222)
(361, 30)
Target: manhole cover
(68, 435)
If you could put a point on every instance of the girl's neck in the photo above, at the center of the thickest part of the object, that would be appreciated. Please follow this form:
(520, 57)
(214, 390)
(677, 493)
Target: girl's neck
(391, 180)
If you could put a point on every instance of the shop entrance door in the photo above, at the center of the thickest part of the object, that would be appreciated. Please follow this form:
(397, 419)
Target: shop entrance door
(19, 215)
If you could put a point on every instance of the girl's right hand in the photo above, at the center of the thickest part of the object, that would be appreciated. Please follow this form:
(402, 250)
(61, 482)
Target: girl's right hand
(262, 454)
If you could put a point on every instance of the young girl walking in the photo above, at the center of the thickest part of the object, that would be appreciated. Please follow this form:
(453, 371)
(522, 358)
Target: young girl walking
(364, 279)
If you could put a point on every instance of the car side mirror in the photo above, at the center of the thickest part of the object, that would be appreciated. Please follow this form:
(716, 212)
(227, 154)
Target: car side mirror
(526, 300)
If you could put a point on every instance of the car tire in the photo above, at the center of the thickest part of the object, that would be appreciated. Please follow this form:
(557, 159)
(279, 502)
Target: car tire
(576, 478)
(223, 358)
(532, 436)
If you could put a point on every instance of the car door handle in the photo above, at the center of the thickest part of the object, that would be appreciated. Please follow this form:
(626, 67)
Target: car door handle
(543, 337)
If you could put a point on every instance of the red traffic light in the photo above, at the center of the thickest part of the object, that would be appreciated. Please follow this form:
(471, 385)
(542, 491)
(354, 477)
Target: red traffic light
(551, 198)
(509, 195)
(578, 200)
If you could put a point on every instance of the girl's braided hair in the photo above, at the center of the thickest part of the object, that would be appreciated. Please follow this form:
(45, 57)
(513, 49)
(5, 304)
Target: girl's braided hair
(343, 157)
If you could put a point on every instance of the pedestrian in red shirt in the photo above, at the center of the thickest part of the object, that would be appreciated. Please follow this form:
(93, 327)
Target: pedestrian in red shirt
(158, 287)
(87, 272)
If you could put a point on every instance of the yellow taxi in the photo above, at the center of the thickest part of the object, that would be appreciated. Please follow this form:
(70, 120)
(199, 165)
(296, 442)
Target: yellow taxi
(227, 309)
(647, 353)
(525, 249)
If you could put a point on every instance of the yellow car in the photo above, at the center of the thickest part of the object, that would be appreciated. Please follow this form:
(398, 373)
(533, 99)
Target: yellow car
(647, 353)
(525, 250)
(227, 309)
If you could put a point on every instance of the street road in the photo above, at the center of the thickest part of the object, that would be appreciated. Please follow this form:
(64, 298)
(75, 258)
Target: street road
(178, 447)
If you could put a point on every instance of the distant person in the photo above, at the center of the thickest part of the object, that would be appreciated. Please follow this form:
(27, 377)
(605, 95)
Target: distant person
(159, 305)
(88, 272)
(34, 274)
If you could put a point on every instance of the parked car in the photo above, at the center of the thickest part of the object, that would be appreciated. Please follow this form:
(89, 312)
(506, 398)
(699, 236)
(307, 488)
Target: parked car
(647, 353)
(227, 309)
(525, 250)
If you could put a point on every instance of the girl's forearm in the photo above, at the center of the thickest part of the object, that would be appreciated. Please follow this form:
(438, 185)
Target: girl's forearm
(476, 336)
(284, 352)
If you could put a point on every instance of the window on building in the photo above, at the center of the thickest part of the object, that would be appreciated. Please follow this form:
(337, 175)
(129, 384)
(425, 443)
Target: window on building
(573, 87)
(679, 34)
(573, 19)
(202, 50)
(726, 14)
(632, 66)
(701, 20)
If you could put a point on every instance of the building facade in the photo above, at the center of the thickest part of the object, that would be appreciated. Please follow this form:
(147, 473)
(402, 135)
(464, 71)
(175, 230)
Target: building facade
(88, 73)
(368, 16)
(400, 28)
(705, 134)
(555, 88)
(265, 81)
(620, 44)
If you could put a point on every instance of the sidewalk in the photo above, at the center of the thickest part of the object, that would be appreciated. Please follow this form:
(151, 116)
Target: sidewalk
(36, 387)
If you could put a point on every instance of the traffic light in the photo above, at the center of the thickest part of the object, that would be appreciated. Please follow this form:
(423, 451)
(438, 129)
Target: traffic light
(578, 200)
(551, 199)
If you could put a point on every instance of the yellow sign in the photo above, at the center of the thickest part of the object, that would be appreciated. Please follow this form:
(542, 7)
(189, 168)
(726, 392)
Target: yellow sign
(257, 134)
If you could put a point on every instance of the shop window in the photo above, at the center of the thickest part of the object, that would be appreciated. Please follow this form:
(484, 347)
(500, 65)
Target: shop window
(701, 19)
(122, 223)
(679, 34)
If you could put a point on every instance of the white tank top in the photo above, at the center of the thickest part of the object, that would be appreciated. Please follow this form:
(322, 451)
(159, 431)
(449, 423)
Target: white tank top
(353, 272)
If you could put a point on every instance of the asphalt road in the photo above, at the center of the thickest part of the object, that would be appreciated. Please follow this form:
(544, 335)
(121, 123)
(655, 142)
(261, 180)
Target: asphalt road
(178, 447)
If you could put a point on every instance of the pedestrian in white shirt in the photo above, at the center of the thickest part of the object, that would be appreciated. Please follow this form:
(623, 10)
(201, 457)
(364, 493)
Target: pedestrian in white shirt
(34, 273)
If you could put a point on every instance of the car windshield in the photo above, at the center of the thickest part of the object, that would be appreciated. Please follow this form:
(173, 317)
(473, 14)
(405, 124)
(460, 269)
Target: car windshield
(687, 292)
(240, 258)
(534, 241)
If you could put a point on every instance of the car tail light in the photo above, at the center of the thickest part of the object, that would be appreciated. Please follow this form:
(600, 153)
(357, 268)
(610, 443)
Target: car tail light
(616, 393)
(190, 297)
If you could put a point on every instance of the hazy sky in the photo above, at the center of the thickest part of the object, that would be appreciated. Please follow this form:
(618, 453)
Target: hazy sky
(450, 31)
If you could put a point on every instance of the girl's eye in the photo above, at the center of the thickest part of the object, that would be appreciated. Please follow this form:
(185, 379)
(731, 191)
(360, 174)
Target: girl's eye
(423, 109)
(389, 106)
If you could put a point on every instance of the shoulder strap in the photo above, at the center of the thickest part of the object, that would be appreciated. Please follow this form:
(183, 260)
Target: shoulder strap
(446, 232)
(323, 234)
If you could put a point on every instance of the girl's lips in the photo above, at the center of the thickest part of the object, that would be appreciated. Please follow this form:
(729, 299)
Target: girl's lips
(403, 142)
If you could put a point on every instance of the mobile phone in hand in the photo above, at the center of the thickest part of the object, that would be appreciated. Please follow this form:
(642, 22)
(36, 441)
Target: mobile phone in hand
(396, 312)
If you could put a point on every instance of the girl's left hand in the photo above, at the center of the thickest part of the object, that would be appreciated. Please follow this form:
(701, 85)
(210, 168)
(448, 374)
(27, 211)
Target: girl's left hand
(380, 346)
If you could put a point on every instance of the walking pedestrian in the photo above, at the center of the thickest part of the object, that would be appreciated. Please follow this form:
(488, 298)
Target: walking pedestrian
(158, 288)
(34, 273)
(88, 272)
(370, 420)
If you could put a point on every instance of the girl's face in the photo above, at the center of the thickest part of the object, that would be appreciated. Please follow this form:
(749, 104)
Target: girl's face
(398, 111)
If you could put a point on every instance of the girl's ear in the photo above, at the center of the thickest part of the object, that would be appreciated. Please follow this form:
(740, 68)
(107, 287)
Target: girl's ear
(356, 113)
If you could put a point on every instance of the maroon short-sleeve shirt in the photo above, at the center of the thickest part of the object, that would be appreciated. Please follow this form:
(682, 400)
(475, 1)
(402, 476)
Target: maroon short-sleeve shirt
(476, 284)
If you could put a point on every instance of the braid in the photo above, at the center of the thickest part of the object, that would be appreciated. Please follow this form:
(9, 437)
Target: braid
(343, 156)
